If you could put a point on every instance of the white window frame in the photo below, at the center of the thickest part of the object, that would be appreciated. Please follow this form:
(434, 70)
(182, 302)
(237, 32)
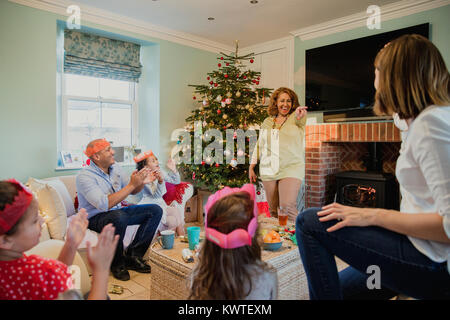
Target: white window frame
(134, 111)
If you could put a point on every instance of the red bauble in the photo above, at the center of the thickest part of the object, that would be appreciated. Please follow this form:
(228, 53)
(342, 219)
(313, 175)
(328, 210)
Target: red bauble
(257, 82)
(227, 64)
(224, 127)
(194, 98)
(219, 65)
(211, 82)
(218, 111)
(217, 165)
(208, 78)
(258, 193)
(221, 58)
(225, 75)
(257, 78)
(245, 77)
(215, 84)
(203, 163)
(251, 60)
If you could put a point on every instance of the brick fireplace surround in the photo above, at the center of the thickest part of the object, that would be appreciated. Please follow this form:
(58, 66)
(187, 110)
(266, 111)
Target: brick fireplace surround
(336, 147)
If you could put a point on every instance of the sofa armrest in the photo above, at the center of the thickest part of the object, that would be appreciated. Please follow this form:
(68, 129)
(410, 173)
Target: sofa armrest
(51, 249)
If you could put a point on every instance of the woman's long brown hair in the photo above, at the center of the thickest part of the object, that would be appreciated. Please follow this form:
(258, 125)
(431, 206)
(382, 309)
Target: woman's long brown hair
(221, 274)
(412, 76)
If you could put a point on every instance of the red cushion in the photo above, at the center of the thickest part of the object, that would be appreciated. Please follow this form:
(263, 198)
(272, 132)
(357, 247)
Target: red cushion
(175, 192)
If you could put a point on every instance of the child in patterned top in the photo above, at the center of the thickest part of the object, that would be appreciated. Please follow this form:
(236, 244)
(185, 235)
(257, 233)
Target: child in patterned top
(153, 192)
(33, 277)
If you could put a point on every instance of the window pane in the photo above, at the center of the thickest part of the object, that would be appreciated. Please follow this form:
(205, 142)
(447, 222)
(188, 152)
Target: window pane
(83, 123)
(83, 86)
(117, 123)
(89, 120)
(115, 89)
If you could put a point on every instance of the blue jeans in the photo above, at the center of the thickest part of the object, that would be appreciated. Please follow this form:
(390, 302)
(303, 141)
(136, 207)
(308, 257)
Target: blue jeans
(147, 216)
(403, 269)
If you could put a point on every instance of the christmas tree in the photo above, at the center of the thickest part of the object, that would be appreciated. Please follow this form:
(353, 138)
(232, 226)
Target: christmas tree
(232, 105)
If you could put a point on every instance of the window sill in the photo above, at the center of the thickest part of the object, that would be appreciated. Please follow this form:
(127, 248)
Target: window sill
(122, 164)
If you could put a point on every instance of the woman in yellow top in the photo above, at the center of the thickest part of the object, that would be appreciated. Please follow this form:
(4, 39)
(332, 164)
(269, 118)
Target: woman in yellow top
(282, 151)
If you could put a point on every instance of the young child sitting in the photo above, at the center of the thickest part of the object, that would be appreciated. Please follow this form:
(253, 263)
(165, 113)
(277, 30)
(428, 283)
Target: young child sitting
(153, 192)
(33, 277)
(230, 265)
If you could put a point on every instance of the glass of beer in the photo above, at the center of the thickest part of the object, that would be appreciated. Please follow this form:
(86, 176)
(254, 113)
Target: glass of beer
(282, 216)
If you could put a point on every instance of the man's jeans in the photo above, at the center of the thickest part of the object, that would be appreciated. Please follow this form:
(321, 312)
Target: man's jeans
(403, 269)
(146, 216)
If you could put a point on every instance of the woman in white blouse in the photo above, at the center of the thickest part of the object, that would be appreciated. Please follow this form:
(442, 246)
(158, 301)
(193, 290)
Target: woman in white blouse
(406, 251)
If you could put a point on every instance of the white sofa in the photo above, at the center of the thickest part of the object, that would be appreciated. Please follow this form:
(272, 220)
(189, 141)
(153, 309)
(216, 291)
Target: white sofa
(56, 197)
(51, 249)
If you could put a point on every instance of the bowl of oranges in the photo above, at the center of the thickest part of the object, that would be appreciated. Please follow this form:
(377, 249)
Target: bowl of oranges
(272, 241)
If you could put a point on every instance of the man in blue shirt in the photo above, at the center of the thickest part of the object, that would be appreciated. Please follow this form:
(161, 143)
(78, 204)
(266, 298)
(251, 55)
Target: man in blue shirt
(101, 187)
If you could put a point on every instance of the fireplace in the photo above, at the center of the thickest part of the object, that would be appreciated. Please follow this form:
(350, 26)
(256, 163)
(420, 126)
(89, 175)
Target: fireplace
(352, 163)
(367, 189)
(371, 188)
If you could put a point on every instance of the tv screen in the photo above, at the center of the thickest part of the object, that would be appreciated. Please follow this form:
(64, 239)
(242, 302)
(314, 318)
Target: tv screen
(339, 77)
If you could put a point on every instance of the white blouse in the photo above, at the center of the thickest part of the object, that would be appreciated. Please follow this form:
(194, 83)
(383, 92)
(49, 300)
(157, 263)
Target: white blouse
(423, 171)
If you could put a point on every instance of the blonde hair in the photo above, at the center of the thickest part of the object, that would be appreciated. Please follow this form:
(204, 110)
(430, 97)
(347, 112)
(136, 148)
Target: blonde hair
(412, 76)
(272, 109)
(221, 274)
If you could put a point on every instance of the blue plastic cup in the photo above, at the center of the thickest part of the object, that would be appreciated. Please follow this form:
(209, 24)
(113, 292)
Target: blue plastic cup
(193, 236)
(167, 239)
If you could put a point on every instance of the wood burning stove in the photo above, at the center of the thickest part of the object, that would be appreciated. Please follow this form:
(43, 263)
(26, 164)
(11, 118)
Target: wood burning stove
(372, 188)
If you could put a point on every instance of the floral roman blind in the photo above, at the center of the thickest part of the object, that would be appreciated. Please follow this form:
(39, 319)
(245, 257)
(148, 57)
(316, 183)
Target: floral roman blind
(92, 55)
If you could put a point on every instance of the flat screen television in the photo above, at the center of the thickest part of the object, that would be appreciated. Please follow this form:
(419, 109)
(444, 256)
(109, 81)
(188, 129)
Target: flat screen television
(340, 76)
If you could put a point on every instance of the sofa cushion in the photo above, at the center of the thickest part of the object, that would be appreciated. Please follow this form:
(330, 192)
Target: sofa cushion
(64, 193)
(52, 207)
(71, 184)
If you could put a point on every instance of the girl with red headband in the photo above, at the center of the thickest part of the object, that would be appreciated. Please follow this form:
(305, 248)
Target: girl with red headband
(230, 265)
(153, 192)
(33, 277)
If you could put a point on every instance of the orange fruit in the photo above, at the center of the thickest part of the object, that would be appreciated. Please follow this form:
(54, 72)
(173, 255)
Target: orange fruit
(272, 236)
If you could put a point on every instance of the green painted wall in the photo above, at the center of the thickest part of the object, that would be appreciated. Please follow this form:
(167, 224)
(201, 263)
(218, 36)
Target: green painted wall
(438, 18)
(28, 90)
(28, 83)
